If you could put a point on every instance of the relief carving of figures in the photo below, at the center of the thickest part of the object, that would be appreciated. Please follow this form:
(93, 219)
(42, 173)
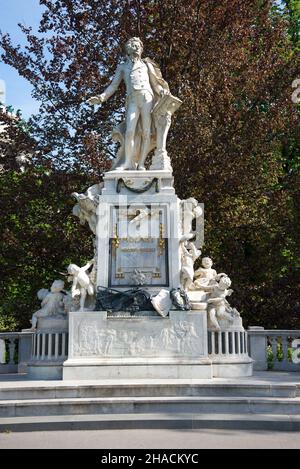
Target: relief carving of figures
(186, 335)
(179, 337)
(94, 341)
(145, 88)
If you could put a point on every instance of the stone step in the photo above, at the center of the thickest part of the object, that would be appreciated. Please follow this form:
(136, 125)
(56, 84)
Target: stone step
(235, 421)
(157, 405)
(147, 388)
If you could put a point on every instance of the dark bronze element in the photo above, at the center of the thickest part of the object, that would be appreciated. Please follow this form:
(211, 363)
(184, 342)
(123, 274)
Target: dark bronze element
(131, 301)
(180, 299)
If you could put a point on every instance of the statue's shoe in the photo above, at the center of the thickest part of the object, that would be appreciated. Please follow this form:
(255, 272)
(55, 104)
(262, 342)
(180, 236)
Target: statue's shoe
(126, 168)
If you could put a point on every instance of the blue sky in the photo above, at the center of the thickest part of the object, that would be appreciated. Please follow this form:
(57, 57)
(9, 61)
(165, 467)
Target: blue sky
(28, 12)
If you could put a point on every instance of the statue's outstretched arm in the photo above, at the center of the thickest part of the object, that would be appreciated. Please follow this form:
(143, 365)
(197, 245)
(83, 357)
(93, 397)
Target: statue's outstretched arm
(88, 265)
(110, 90)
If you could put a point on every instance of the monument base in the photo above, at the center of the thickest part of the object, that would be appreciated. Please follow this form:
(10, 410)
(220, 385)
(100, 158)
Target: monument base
(44, 371)
(143, 347)
(93, 369)
(238, 368)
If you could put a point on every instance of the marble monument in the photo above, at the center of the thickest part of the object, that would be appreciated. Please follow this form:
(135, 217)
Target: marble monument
(140, 308)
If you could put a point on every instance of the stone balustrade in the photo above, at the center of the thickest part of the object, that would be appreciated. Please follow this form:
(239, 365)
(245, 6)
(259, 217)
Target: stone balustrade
(278, 350)
(49, 350)
(51, 346)
(227, 343)
(274, 349)
(15, 350)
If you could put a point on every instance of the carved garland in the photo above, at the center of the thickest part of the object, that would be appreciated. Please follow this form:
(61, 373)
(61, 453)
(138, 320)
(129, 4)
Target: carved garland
(121, 183)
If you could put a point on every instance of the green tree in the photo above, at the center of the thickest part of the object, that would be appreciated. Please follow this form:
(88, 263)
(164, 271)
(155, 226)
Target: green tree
(232, 63)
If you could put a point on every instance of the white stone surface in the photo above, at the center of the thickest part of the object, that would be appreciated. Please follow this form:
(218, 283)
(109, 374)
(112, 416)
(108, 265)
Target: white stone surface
(296, 351)
(46, 371)
(233, 370)
(54, 324)
(142, 347)
(181, 335)
(162, 302)
(74, 370)
(158, 231)
(137, 180)
(2, 351)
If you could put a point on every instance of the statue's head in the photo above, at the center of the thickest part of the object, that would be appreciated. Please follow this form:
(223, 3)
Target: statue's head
(57, 286)
(207, 262)
(73, 269)
(134, 47)
(193, 202)
(224, 282)
(42, 293)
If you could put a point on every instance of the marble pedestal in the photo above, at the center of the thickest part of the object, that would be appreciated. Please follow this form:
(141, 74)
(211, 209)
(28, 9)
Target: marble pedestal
(138, 231)
(145, 347)
(49, 348)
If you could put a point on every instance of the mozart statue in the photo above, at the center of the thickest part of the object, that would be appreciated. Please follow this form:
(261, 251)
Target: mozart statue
(149, 106)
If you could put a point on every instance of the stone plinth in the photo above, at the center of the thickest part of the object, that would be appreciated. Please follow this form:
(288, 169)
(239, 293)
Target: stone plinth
(137, 347)
(138, 231)
(116, 182)
(58, 323)
(49, 348)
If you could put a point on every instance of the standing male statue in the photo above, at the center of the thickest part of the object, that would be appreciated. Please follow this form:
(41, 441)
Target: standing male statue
(145, 89)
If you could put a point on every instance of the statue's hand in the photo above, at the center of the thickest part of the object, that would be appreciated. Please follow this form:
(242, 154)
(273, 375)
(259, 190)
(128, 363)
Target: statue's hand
(96, 99)
(75, 292)
(164, 92)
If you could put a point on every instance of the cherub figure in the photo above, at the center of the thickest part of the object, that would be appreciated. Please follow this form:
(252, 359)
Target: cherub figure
(52, 302)
(190, 211)
(86, 206)
(218, 306)
(82, 284)
(205, 278)
(189, 254)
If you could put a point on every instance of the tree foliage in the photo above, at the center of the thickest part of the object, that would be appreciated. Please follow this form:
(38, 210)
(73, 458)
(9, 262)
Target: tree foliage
(235, 138)
(40, 237)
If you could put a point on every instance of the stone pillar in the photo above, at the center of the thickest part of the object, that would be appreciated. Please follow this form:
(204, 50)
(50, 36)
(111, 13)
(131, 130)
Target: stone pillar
(257, 346)
(2, 351)
(25, 344)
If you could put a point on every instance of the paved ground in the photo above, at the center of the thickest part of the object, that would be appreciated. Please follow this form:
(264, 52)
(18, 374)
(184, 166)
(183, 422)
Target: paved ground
(150, 439)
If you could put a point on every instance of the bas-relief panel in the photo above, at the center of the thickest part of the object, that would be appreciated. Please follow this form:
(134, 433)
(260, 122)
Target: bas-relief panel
(137, 338)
